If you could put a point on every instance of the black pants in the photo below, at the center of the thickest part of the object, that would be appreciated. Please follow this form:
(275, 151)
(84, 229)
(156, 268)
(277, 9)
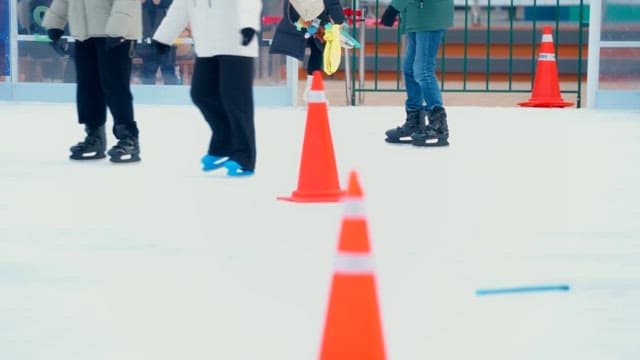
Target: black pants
(222, 88)
(151, 61)
(103, 81)
(315, 56)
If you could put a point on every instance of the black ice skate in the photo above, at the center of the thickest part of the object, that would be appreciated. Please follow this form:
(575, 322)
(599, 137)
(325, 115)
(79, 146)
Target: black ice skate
(402, 134)
(92, 147)
(434, 134)
(125, 151)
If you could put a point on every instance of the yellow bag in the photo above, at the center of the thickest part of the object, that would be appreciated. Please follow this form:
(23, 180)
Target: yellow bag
(332, 49)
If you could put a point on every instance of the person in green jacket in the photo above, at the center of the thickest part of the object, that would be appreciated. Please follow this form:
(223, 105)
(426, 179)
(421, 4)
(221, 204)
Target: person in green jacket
(424, 23)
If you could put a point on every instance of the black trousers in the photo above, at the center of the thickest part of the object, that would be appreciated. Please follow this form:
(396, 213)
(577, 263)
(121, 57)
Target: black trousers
(222, 88)
(151, 62)
(316, 59)
(103, 78)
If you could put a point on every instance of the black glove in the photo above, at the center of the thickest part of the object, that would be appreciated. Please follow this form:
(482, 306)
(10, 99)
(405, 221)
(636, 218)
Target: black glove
(112, 42)
(160, 48)
(55, 34)
(58, 44)
(389, 16)
(247, 35)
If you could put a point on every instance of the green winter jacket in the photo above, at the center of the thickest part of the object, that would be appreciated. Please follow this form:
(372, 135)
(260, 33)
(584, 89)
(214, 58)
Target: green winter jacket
(424, 15)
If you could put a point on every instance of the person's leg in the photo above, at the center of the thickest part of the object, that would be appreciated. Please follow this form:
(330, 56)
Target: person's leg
(168, 67)
(413, 89)
(436, 133)
(424, 66)
(315, 56)
(115, 76)
(236, 89)
(90, 99)
(413, 103)
(206, 96)
(314, 63)
(149, 68)
(90, 103)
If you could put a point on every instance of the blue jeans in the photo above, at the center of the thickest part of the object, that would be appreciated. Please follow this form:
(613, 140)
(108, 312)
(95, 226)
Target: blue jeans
(419, 68)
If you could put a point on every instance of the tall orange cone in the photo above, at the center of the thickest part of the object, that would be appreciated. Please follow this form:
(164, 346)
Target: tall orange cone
(318, 177)
(546, 88)
(353, 330)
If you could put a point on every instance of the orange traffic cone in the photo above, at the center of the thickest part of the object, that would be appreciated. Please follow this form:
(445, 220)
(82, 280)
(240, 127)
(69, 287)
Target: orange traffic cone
(318, 177)
(353, 329)
(546, 88)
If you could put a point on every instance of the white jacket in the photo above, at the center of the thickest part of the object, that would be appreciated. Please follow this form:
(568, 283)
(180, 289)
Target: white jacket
(215, 25)
(96, 18)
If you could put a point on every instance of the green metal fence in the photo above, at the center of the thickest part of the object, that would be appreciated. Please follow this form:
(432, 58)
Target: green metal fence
(467, 62)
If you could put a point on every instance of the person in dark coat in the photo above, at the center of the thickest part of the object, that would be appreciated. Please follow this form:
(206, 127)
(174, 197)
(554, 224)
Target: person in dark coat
(289, 40)
(153, 11)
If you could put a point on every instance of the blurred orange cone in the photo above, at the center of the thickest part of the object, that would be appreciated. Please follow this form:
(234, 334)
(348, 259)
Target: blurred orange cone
(546, 88)
(353, 329)
(318, 177)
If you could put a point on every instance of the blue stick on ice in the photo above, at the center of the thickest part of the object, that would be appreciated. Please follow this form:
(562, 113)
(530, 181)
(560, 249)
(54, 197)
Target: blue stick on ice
(519, 289)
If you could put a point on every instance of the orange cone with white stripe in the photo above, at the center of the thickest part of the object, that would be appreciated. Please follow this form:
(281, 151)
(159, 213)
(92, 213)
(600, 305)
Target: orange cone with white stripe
(546, 87)
(318, 177)
(353, 330)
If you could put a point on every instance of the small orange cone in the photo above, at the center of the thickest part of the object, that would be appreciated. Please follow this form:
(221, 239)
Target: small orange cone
(353, 329)
(318, 177)
(546, 88)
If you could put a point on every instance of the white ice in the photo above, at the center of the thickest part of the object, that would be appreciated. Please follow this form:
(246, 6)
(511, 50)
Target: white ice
(159, 260)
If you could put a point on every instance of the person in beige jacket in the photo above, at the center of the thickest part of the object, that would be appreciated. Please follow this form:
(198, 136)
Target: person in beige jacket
(105, 32)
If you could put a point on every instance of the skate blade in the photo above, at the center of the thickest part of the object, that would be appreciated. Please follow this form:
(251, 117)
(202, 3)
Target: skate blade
(397, 141)
(430, 142)
(87, 156)
(125, 159)
(210, 162)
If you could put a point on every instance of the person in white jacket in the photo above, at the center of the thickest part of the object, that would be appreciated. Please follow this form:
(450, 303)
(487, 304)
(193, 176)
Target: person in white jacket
(225, 42)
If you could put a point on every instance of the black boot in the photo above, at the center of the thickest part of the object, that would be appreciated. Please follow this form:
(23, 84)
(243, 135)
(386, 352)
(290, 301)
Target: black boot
(93, 146)
(401, 134)
(434, 134)
(127, 149)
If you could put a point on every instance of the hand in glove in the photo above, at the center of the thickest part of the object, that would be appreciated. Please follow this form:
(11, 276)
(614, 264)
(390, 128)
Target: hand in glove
(247, 35)
(58, 44)
(389, 16)
(112, 42)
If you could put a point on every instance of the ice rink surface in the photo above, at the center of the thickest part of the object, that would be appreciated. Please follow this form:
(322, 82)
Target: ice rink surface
(159, 260)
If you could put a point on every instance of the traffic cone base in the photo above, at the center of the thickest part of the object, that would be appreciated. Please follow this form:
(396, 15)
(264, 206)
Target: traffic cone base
(353, 326)
(549, 103)
(313, 197)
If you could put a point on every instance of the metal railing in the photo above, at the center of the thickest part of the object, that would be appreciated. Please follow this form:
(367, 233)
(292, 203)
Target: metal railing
(467, 62)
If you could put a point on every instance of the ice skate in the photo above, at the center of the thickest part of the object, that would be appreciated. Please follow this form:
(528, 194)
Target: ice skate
(93, 146)
(125, 151)
(212, 162)
(234, 169)
(402, 134)
(434, 134)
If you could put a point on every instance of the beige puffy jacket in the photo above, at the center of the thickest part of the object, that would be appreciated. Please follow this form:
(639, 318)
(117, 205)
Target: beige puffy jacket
(96, 18)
